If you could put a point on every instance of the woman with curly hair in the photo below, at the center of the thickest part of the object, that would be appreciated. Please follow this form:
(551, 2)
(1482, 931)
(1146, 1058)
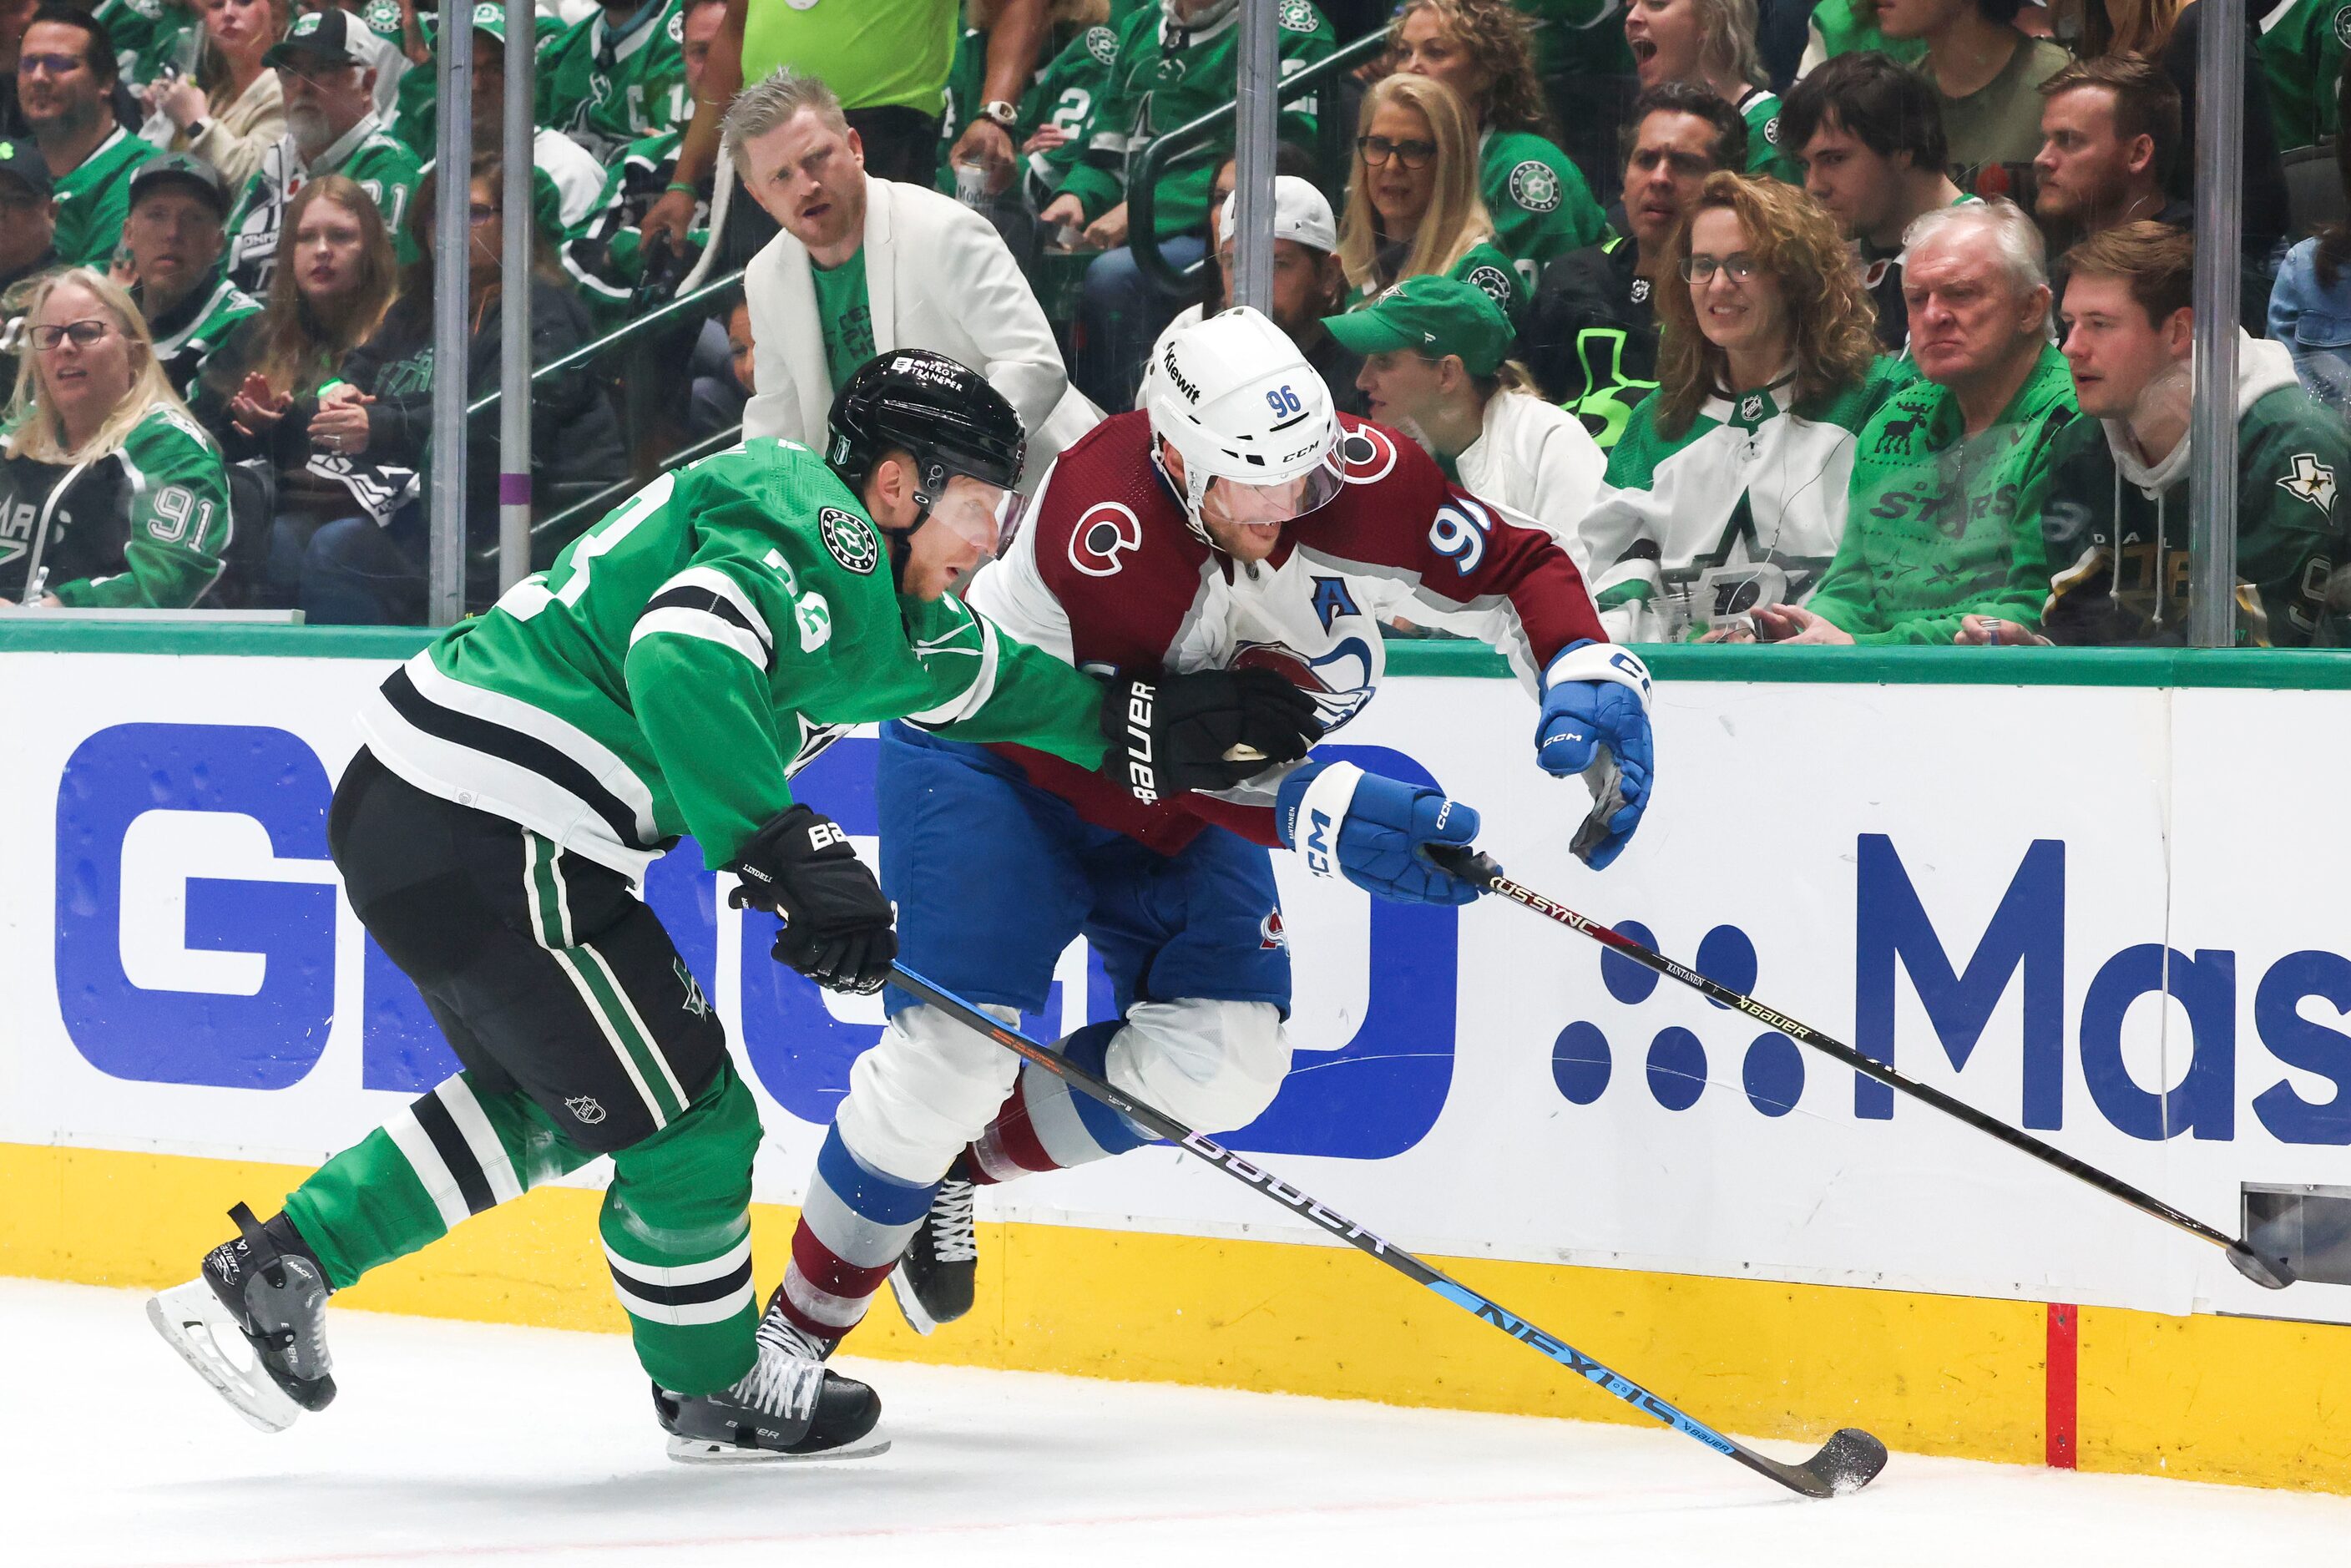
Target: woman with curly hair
(1412, 206)
(1727, 492)
(1711, 43)
(1540, 202)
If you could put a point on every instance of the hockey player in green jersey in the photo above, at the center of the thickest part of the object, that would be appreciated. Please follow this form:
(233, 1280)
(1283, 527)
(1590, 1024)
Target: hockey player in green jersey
(663, 678)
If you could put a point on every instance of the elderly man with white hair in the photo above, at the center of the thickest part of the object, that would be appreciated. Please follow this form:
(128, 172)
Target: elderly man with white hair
(1949, 476)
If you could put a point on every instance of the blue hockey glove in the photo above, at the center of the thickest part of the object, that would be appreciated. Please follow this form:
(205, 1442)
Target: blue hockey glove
(1370, 829)
(1595, 724)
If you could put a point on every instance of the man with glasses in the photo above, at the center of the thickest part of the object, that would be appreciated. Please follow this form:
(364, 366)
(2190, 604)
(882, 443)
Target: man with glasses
(65, 86)
(174, 235)
(331, 128)
(1590, 337)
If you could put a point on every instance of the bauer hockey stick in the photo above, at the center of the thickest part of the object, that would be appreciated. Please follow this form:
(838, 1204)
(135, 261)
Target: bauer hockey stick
(1847, 1462)
(1470, 865)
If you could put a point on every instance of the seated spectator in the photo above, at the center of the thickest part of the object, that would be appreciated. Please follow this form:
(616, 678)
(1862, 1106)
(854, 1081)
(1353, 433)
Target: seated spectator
(28, 214)
(1413, 207)
(722, 388)
(1591, 337)
(605, 254)
(231, 110)
(1054, 110)
(1175, 61)
(331, 128)
(2310, 308)
(1308, 285)
(2109, 134)
(65, 84)
(109, 496)
(1869, 134)
(393, 37)
(1436, 367)
(371, 569)
(1728, 493)
(1986, 74)
(615, 75)
(1949, 478)
(565, 179)
(2116, 516)
(173, 240)
(1711, 43)
(865, 264)
(1536, 198)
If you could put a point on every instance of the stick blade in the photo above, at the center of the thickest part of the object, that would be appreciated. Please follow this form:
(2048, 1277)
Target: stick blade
(2269, 1273)
(1847, 1462)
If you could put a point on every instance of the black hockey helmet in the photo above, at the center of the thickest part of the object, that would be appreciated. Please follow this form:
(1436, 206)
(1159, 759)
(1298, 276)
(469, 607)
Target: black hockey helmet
(942, 412)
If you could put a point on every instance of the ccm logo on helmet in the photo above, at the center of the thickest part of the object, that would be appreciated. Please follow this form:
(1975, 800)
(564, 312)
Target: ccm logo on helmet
(1104, 530)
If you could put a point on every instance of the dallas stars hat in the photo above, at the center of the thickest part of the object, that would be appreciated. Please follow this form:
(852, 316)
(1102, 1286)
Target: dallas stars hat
(1435, 317)
(491, 18)
(317, 38)
(180, 168)
(20, 158)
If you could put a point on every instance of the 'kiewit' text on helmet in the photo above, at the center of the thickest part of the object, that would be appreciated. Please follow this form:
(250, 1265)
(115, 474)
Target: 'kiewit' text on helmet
(1237, 402)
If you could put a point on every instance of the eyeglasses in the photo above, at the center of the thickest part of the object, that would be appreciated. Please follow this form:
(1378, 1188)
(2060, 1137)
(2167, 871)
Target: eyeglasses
(83, 333)
(54, 64)
(1380, 149)
(481, 215)
(1702, 269)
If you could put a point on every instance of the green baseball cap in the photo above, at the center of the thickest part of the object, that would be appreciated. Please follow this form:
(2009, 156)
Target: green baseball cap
(491, 18)
(1434, 316)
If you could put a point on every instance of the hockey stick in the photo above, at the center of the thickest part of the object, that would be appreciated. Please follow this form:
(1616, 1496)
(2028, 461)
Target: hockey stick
(2273, 1273)
(1845, 1463)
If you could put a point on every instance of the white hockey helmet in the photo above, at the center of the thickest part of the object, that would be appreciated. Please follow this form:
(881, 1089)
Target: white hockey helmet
(1235, 398)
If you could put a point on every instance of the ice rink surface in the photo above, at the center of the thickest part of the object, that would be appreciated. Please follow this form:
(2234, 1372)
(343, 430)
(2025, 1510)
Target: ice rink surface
(459, 1443)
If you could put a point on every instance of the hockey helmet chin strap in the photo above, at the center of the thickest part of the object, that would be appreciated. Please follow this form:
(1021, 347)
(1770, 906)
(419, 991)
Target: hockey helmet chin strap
(1193, 491)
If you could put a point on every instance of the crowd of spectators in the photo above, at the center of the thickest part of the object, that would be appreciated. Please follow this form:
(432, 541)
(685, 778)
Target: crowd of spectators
(1861, 321)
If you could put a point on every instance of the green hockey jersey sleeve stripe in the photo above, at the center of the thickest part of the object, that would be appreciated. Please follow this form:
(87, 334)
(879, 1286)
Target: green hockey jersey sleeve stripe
(702, 602)
(982, 686)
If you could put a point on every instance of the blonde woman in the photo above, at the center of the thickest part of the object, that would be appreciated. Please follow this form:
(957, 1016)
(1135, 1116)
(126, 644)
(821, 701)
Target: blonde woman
(232, 111)
(1727, 493)
(1711, 43)
(1413, 207)
(1538, 199)
(110, 494)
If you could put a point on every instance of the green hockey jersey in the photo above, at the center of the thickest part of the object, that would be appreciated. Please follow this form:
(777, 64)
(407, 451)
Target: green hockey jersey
(1538, 200)
(141, 528)
(604, 92)
(2301, 58)
(683, 658)
(1481, 266)
(381, 166)
(1941, 524)
(186, 335)
(1164, 77)
(1578, 37)
(2117, 528)
(1761, 110)
(1745, 506)
(94, 197)
(1064, 95)
(149, 35)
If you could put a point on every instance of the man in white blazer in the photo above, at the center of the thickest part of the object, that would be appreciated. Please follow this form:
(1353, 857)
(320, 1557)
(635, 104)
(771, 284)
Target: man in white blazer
(866, 265)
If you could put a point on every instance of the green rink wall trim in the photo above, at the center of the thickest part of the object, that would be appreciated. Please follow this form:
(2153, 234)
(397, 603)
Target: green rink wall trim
(2239, 668)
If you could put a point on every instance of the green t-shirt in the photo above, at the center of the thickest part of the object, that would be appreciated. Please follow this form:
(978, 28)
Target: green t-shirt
(1942, 524)
(2302, 57)
(94, 199)
(872, 53)
(844, 314)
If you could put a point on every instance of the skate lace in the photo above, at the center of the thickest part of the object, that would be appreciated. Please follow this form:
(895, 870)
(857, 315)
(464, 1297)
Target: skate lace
(784, 1381)
(952, 1240)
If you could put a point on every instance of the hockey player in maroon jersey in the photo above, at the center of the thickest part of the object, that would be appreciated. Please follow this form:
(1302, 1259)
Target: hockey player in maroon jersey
(1233, 520)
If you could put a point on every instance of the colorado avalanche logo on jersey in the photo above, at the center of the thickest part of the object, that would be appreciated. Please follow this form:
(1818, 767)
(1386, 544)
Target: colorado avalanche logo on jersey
(1340, 681)
(1104, 531)
(1365, 455)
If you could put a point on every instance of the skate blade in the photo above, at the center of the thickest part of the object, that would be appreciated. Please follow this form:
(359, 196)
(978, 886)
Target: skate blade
(703, 1451)
(910, 1305)
(193, 1322)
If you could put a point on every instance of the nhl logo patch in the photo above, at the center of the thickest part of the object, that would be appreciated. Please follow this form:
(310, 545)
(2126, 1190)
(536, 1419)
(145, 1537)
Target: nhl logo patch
(1535, 187)
(1298, 16)
(1640, 291)
(1103, 44)
(586, 1109)
(2343, 27)
(850, 538)
(1750, 407)
(1493, 282)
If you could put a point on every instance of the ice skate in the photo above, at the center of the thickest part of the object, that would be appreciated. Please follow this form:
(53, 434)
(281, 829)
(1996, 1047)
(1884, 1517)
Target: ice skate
(934, 1280)
(267, 1289)
(788, 1407)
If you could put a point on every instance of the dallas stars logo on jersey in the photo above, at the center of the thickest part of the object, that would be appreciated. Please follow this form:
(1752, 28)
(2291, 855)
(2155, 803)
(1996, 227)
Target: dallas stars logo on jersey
(850, 538)
(1103, 44)
(2343, 27)
(1298, 16)
(1493, 282)
(1535, 187)
(2311, 480)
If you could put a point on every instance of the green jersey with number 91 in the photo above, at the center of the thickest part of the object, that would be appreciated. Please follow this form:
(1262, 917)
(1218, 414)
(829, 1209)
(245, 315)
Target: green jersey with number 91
(141, 528)
(686, 655)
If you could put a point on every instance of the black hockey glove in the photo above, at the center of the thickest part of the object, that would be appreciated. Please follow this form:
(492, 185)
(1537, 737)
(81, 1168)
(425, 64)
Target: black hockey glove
(836, 925)
(1207, 730)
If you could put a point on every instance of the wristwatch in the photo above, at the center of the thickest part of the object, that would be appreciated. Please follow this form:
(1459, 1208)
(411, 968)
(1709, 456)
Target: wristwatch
(1004, 114)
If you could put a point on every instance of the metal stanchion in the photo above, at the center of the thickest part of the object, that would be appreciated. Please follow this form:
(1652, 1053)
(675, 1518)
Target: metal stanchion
(452, 240)
(2219, 265)
(1258, 72)
(514, 313)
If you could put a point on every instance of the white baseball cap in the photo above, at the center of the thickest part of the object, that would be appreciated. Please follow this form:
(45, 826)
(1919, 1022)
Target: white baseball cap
(1299, 212)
